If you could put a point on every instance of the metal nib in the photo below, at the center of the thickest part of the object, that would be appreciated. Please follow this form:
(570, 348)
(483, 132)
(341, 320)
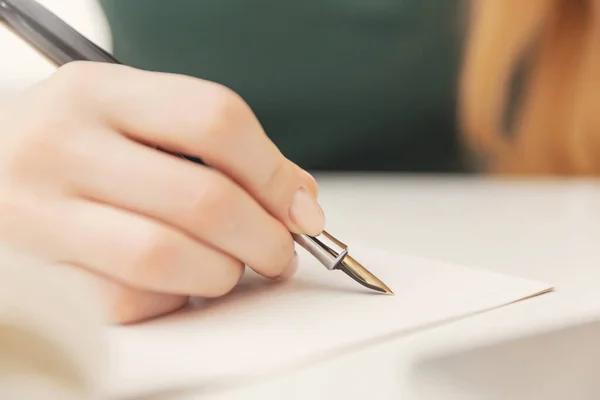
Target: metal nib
(333, 259)
(356, 271)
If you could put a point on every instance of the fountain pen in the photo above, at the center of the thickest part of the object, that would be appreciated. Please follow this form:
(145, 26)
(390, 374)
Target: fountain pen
(58, 42)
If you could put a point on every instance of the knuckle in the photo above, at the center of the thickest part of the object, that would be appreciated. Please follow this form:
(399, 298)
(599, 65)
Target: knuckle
(149, 258)
(33, 154)
(83, 86)
(48, 140)
(75, 78)
(227, 111)
(34, 142)
(280, 180)
(48, 149)
(226, 102)
(74, 69)
(229, 276)
(120, 304)
(210, 201)
(281, 253)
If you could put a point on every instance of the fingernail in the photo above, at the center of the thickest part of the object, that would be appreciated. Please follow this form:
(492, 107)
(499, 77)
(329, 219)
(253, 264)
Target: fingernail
(306, 213)
(291, 269)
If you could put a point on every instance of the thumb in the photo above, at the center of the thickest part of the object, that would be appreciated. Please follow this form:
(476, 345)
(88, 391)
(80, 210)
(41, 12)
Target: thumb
(309, 182)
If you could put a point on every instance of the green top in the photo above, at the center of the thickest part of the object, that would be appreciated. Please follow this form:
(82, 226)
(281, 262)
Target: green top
(337, 84)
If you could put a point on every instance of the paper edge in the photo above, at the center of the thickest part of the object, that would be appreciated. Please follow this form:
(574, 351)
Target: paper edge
(216, 384)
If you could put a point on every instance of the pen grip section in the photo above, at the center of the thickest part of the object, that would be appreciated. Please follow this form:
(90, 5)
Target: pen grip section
(326, 255)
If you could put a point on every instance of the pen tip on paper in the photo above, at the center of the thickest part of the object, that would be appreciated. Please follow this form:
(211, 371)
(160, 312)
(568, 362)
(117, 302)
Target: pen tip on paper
(387, 290)
(382, 287)
(360, 274)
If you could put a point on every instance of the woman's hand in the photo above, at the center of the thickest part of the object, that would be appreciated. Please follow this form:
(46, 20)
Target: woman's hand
(81, 184)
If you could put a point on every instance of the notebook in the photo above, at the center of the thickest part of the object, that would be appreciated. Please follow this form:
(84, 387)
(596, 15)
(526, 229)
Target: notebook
(264, 327)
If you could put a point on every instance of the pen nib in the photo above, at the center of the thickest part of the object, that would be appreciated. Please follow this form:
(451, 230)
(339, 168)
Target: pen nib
(356, 271)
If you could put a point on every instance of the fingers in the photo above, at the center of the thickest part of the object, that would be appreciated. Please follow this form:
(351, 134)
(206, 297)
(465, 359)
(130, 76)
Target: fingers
(204, 120)
(80, 188)
(122, 304)
(143, 254)
(125, 304)
(309, 182)
(195, 199)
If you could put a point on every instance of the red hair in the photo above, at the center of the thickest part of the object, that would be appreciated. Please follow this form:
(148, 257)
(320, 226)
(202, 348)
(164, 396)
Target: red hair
(556, 124)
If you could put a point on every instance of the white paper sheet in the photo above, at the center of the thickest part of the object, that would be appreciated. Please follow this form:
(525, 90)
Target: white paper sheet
(264, 327)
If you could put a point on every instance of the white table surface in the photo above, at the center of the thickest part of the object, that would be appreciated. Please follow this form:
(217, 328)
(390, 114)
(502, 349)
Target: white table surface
(543, 230)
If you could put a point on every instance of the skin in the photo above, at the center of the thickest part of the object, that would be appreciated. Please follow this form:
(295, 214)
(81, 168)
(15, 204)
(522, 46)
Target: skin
(82, 186)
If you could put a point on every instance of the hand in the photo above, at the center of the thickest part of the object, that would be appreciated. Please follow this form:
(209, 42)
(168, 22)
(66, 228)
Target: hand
(81, 184)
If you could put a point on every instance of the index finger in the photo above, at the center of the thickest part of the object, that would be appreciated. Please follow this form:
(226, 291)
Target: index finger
(205, 120)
